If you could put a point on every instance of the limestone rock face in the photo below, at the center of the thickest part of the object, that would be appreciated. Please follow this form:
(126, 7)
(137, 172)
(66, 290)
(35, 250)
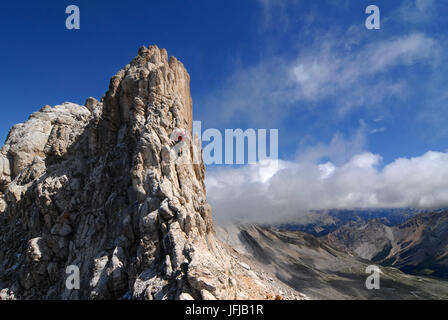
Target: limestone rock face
(87, 186)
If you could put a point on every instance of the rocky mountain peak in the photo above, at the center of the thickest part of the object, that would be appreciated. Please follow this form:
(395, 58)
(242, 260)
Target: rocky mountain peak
(101, 188)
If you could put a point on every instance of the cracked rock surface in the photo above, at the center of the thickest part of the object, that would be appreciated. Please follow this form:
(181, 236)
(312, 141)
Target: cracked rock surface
(88, 186)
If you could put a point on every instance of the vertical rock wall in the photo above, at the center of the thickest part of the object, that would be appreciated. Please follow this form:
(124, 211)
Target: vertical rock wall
(88, 186)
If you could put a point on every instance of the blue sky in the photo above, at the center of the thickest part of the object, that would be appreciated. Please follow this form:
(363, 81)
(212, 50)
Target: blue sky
(309, 68)
(226, 46)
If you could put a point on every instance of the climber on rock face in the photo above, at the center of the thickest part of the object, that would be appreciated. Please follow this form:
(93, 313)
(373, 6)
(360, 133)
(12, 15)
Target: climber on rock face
(179, 141)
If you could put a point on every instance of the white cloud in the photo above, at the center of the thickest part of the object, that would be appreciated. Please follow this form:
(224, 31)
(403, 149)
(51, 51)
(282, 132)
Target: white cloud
(297, 187)
(278, 9)
(324, 71)
(339, 150)
(377, 130)
(417, 11)
(327, 71)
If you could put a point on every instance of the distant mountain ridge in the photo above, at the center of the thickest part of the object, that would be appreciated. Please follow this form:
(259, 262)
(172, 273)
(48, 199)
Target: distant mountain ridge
(321, 223)
(417, 246)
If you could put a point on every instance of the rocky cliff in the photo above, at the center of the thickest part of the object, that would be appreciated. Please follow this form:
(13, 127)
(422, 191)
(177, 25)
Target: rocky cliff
(98, 187)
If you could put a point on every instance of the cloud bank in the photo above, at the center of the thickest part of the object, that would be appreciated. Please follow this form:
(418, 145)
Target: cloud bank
(268, 192)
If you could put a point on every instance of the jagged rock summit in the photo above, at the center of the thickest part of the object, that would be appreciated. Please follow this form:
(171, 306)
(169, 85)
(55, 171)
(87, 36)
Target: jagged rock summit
(87, 186)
